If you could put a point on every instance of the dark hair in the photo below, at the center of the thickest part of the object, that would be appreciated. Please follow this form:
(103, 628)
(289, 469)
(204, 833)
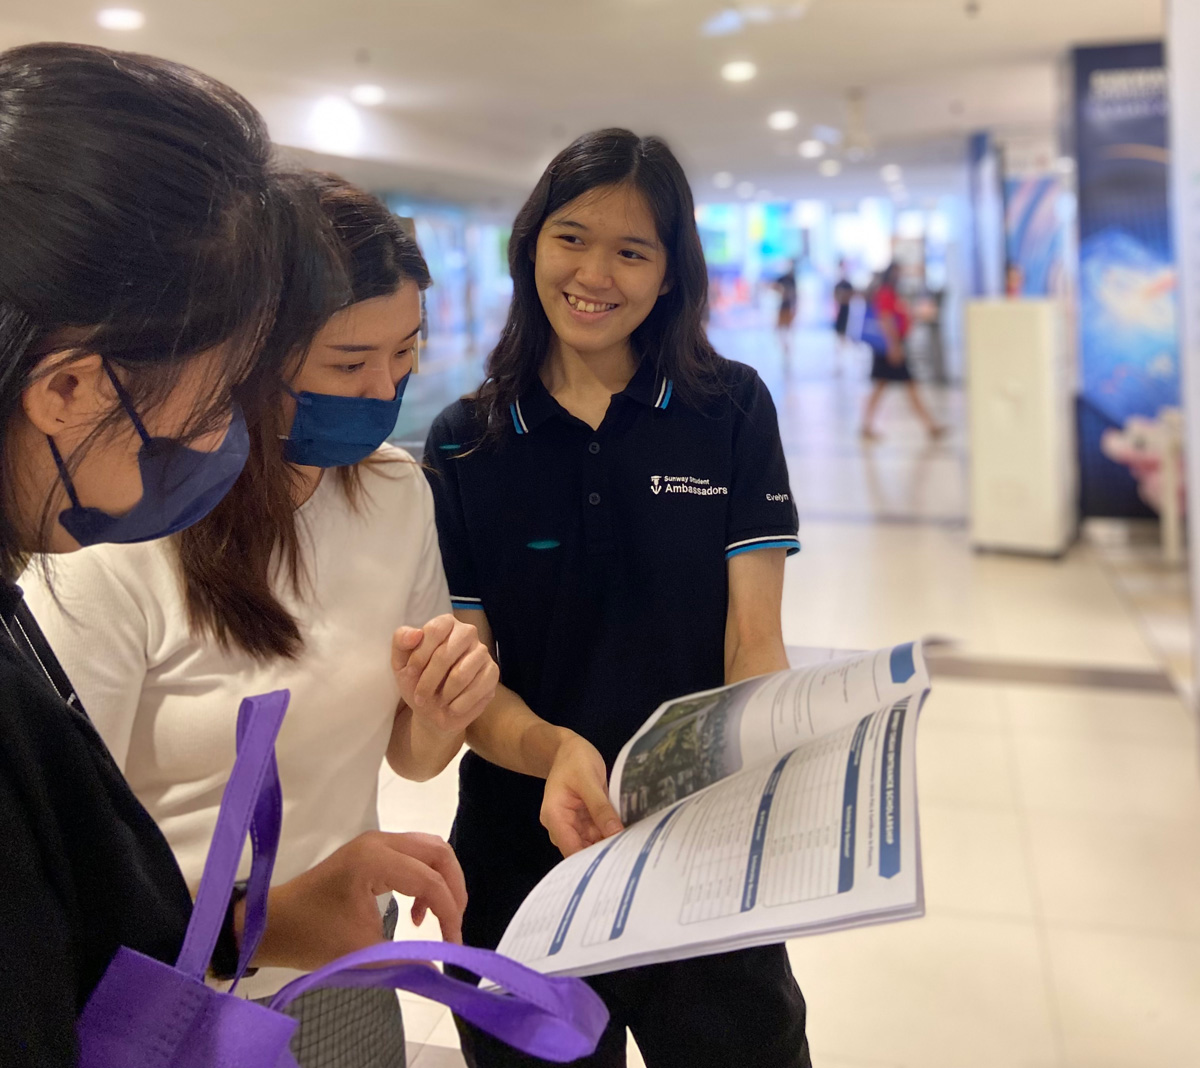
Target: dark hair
(672, 335)
(230, 558)
(140, 222)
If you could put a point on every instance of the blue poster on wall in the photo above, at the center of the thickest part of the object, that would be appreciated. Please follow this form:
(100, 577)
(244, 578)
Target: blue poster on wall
(986, 200)
(1034, 224)
(1129, 342)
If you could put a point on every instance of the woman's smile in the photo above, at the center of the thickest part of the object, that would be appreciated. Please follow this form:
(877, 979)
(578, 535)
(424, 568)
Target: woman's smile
(588, 311)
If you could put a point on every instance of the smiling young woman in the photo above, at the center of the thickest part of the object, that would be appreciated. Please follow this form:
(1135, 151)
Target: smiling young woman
(605, 592)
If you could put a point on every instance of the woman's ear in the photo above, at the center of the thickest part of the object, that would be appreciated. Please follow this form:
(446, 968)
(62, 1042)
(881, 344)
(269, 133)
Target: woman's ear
(67, 395)
(667, 286)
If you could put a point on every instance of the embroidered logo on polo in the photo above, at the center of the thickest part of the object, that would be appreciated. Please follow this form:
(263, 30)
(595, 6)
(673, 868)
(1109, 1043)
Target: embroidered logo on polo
(697, 487)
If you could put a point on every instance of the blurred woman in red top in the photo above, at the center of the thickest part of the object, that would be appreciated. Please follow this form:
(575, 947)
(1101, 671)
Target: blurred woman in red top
(889, 353)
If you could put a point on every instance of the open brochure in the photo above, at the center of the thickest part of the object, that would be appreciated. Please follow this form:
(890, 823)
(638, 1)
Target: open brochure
(780, 806)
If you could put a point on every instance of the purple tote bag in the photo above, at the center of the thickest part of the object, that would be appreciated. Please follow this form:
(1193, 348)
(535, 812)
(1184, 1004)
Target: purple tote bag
(147, 1014)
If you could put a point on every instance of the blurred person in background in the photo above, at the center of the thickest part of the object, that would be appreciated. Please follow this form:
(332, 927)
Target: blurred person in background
(789, 300)
(843, 296)
(319, 572)
(606, 603)
(886, 331)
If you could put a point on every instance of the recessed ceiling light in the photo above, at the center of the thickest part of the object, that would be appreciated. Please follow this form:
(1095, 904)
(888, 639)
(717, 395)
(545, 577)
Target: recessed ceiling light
(335, 125)
(745, 190)
(891, 173)
(120, 18)
(369, 96)
(723, 180)
(783, 120)
(812, 148)
(740, 70)
(830, 168)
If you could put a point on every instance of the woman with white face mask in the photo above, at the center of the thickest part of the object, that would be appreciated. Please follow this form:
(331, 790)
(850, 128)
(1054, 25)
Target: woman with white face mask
(320, 573)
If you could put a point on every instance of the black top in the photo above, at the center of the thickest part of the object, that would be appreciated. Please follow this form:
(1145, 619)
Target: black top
(600, 560)
(84, 867)
(787, 289)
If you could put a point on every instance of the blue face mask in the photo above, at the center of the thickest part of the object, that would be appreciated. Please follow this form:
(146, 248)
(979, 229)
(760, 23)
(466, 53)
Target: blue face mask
(180, 486)
(330, 431)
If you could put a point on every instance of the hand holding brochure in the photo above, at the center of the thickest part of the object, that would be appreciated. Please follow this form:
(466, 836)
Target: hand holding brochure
(778, 806)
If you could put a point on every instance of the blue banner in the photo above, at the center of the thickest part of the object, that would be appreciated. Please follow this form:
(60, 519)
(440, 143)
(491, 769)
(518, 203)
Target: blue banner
(850, 808)
(986, 203)
(1128, 329)
(1036, 232)
(889, 792)
(758, 839)
(903, 664)
(631, 884)
(564, 925)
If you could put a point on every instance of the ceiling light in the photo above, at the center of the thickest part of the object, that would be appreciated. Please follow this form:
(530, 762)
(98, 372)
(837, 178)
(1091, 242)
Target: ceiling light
(783, 120)
(335, 125)
(812, 148)
(723, 180)
(830, 168)
(745, 190)
(740, 70)
(369, 96)
(891, 173)
(121, 18)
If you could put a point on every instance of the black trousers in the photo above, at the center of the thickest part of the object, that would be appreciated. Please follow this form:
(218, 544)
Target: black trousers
(732, 1010)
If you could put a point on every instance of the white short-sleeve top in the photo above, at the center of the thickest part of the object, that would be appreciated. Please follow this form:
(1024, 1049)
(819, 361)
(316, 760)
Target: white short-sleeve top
(165, 700)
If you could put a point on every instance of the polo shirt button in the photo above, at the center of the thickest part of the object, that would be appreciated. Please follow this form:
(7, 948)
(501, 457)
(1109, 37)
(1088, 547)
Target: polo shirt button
(593, 498)
(594, 447)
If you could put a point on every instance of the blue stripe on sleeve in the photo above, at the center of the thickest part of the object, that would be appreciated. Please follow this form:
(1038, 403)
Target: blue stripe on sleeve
(791, 544)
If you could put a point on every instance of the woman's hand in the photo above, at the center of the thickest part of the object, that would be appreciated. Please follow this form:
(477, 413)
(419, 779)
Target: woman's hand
(445, 673)
(896, 355)
(331, 909)
(576, 810)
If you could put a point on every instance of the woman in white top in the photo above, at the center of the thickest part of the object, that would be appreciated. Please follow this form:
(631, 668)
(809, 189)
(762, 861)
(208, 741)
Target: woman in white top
(327, 583)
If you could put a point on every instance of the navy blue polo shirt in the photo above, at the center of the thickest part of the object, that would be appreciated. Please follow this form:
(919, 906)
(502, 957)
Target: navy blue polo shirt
(600, 557)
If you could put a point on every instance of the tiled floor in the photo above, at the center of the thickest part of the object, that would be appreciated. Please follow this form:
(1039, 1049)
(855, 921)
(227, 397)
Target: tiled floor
(1060, 825)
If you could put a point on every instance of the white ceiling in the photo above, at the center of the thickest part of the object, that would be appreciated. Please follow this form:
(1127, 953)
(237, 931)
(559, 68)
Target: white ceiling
(482, 92)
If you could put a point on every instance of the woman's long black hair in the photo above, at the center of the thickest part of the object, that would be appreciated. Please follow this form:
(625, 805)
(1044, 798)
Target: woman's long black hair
(140, 219)
(232, 559)
(673, 335)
